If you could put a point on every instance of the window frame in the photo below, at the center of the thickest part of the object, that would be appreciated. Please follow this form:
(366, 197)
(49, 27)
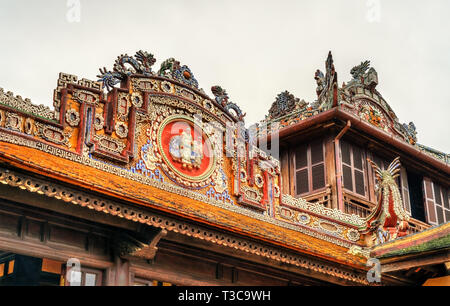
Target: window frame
(98, 276)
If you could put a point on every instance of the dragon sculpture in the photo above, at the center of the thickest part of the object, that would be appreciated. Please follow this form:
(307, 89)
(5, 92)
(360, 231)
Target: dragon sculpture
(141, 64)
(168, 66)
(360, 70)
(172, 69)
(220, 94)
(410, 132)
(126, 65)
(365, 75)
(221, 97)
(388, 220)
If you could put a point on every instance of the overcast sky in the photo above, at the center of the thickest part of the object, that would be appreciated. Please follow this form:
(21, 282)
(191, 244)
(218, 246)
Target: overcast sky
(253, 49)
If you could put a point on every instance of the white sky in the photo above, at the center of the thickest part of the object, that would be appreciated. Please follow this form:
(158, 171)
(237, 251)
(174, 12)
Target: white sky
(253, 49)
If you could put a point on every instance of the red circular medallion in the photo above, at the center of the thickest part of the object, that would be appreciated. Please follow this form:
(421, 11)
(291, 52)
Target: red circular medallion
(186, 149)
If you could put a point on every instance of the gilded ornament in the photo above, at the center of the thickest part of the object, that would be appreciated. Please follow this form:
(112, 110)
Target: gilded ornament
(353, 235)
(276, 191)
(303, 218)
(29, 126)
(99, 122)
(121, 129)
(259, 181)
(72, 117)
(137, 100)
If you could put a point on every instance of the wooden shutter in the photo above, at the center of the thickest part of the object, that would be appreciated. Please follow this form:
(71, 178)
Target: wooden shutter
(301, 157)
(429, 201)
(438, 203)
(302, 181)
(353, 168)
(285, 178)
(301, 170)
(317, 165)
(358, 170)
(441, 203)
(346, 166)
(309, 167)
(446, 199)
(404, 190)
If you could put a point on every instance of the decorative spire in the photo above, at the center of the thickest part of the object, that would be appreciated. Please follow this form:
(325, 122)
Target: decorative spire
(327, 86)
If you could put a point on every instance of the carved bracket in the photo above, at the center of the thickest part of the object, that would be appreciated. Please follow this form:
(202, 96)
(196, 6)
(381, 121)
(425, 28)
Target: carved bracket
(141, 245)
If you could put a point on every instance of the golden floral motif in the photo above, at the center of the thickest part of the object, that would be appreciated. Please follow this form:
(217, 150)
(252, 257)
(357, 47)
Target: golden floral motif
(137, 100)
(72, 117)
(259, 181)
(29, 126)
(243, 175)
(99, 121)
(121, 129)
(276, 191)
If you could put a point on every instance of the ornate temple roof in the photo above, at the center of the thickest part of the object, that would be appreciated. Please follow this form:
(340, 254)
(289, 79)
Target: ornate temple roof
(359, 97)
(151, 142)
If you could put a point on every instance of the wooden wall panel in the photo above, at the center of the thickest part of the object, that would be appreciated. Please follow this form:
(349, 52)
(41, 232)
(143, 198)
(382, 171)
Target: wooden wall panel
(285, 180)
(186, 264)
(67, 236)
(9, 223)
(34, 229)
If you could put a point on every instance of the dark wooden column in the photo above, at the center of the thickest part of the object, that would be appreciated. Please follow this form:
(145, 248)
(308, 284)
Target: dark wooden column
(330, 166)
(122, 272)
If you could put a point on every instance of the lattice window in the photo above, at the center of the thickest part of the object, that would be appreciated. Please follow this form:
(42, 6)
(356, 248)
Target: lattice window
(83, 277)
